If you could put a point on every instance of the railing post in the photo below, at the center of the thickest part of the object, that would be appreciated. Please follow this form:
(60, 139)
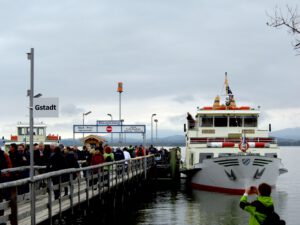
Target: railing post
(87, 187)
(59, 198)
(145, 168)
(14, 206)
(78, 182)
(32, 202)
(50, 189)
(71, 193)
(99, 182)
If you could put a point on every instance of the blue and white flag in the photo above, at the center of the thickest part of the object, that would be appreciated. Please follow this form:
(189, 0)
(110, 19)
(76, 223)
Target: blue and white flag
(229, 91)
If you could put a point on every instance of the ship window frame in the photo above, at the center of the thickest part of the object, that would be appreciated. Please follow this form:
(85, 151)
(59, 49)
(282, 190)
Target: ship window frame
(248, 124)
(40, 131)
(240, 123)
(220, 124)
(206, 124)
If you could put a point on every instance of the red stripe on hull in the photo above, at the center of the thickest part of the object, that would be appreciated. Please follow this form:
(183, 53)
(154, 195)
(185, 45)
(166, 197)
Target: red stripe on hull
(218, 189)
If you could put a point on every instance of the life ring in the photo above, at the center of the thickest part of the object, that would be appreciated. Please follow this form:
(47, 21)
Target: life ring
(242, 147)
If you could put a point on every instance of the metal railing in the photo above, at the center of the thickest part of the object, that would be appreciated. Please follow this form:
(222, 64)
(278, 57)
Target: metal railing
(195, 140)
(58, 191)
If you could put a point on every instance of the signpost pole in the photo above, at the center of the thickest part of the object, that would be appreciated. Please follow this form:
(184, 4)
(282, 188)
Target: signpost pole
(31, 94)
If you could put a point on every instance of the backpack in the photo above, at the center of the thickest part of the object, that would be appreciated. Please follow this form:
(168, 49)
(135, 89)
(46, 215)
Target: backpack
(272, 217)
(119, 155)
(3, 163)
(108, 158)
(140, 152)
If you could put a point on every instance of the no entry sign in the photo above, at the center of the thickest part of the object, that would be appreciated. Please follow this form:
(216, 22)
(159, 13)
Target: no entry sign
(109, 129)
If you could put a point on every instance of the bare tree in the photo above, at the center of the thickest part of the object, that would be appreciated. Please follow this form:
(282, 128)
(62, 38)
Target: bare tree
(290, 19)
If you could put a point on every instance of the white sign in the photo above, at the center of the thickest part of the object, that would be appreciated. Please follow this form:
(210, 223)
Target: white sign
(133, 129)
(85, 129)
(109, 122)
(109, 129)
(45, 107)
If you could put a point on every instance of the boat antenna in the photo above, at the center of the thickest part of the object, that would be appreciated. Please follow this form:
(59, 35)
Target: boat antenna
(226, 83)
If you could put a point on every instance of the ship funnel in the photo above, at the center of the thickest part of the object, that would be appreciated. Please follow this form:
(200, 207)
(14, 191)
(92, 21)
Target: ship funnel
(217, 102)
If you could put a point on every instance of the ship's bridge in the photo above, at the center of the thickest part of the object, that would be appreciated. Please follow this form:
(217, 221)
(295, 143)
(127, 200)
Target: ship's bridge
(225, 124)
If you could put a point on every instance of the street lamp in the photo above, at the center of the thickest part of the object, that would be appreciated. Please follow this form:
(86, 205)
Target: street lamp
(30, 93)
(120, 90)
(154, 114)
(156, 120)
(83, 115)
(111, 118)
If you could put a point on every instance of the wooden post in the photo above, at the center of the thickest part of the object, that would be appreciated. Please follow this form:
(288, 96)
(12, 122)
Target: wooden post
(14, 206)
(50, 189)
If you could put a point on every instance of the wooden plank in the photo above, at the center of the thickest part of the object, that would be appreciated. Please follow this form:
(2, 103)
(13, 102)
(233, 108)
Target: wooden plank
(4, 205)
(4, 219)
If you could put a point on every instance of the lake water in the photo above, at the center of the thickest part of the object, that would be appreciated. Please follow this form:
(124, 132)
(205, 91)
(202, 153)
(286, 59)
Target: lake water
(199, 207)
(185, 206)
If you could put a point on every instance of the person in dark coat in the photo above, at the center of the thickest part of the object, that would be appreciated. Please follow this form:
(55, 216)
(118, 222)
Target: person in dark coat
(14, 155)
(5, 163)
(40, 157)
(24, 161)
(56, 162)
(71, 162)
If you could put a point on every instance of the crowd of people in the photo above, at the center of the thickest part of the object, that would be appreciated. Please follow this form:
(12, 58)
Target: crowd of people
(57, 157)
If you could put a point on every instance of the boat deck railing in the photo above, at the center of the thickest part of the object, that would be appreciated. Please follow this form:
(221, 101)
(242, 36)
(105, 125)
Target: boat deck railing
(234, 140)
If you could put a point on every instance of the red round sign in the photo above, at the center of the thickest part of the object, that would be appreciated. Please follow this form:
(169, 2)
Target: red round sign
(109, 129)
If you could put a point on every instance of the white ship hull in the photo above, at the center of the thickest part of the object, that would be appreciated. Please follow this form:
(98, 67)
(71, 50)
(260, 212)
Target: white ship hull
(234, 174)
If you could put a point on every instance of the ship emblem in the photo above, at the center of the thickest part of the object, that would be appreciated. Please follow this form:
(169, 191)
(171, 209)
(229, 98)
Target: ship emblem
(230, 175)
(246, 161)
(258, 173)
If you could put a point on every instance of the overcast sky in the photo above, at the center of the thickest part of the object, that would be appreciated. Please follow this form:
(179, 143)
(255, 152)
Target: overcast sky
(171, 56)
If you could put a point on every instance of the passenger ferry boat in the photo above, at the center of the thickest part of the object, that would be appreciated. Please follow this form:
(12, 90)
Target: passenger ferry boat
(39, 135)
(226, 151)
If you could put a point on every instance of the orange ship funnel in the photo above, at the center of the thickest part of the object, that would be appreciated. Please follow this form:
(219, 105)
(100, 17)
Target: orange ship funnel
(216, 102)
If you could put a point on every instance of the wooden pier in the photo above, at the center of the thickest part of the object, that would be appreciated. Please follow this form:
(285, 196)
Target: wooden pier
(83, 185)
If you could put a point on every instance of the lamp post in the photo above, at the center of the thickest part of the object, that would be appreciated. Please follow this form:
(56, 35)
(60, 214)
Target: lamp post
(154, 114)
(156, 120)
(120, 90)
(83, 115)
(30, 93)
(111, 118)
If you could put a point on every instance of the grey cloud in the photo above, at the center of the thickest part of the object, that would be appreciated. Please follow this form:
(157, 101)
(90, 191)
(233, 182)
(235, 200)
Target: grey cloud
(71, 110)
(180, 119)
(157, 48)
(184, 98)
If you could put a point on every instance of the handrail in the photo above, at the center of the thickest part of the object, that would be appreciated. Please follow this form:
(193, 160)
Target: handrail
(96, 180)
(65, 171)
(21, 168)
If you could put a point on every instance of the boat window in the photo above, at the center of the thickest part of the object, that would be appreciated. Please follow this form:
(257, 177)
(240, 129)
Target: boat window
(40, 131)
(221, 121)
(206, 121)
(236, 121)
(23, 131)
(192, 159)
(250, 121)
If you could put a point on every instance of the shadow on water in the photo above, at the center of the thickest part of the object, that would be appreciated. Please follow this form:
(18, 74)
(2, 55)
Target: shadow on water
(166, 203)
